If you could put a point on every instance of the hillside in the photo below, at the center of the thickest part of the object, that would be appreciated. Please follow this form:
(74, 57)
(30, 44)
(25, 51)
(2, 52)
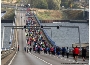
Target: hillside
(9, 1)
(44, 14)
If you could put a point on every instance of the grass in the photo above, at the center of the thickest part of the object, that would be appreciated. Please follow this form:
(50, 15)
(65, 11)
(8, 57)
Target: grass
(44, 14)
(74, 14)
(9, 14)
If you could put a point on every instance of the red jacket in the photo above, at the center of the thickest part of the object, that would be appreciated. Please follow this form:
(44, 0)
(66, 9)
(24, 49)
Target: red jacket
(76, 51)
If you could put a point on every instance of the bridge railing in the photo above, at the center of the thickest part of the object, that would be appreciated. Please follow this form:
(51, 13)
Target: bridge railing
(7, 51)
(52, 42)
(46, 35)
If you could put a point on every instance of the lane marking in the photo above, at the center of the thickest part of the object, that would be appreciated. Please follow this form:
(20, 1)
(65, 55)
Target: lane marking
(73, 61)
(54, 56)
(76, 62)
(12, 59)
(69, 60)
(48, 63)
(41, 59)
(64, 59)
(44, 61)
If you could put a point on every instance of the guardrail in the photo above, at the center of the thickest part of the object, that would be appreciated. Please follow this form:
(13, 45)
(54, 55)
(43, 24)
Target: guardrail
(52, 42)
(46, 35)
(71, 21)
(7, 51)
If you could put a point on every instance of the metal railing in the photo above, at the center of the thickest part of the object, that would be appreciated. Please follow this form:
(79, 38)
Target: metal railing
(46, 35)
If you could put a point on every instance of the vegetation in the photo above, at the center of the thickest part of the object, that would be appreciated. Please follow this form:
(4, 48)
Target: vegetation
(45, 4)
(9, 14)
(68, 4)
(74, 14)
(44, 14)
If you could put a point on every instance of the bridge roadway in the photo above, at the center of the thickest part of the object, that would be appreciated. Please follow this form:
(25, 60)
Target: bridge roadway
(23, 58)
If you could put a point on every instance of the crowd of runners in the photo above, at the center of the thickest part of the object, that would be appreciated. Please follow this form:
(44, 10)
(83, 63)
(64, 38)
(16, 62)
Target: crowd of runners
(36, 43)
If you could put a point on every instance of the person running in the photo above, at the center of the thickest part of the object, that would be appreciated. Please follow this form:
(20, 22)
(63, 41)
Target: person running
(25, 49)
(18, 47)
(49, 50)
(73, 53)
(63, 51)
(67, 52)
(76, 51)
(84, 53)
(30, 49)
(39, 49)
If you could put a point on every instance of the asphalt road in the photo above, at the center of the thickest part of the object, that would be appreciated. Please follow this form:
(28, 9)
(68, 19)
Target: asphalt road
(23, 58)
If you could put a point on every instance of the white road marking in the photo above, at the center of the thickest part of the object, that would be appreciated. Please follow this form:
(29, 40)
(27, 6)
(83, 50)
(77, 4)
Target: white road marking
(34, 56)
(65, 59)
(50, 64)
(76, 62)
(12, 59)
(73, 61)
(46, 62)
(42, 60)
(69, 60)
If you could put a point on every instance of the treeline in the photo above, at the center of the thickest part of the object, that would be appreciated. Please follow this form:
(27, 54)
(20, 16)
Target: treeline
(52, 4)
(69, 4)
(45, 4)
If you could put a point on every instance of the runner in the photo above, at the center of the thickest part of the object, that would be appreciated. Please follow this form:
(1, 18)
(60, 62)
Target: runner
(25, 49)
(63, 51)
(76, 51)
(67, 52)
(18, 47)
(84, 53)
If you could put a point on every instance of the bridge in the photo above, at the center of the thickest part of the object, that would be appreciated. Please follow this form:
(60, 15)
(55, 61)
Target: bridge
(19, 52)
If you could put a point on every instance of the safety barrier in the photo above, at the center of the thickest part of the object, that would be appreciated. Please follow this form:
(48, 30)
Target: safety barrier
(7, 51)
(52, 42)
(46, 35)
(71, 21)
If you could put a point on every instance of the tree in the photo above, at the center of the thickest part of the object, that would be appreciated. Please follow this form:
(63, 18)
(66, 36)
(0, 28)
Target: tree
(58, 3)
(42, 4)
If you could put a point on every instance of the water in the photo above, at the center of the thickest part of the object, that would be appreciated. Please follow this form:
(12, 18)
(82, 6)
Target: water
(68, 36)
